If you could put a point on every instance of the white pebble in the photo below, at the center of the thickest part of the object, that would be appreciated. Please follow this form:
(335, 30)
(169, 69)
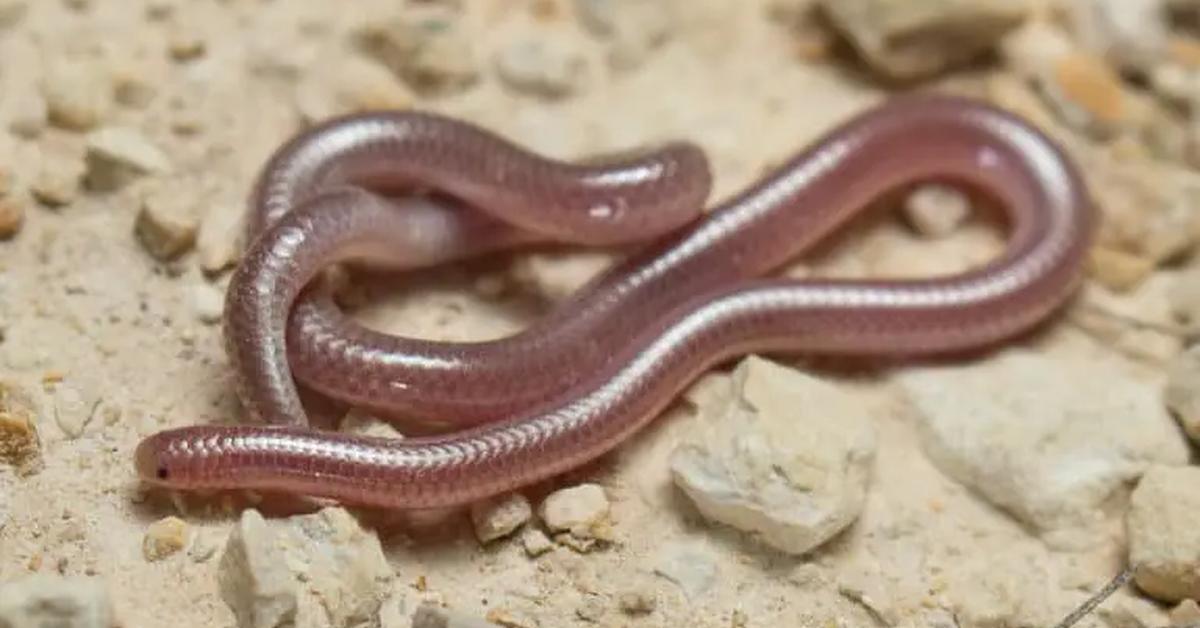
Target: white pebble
(580, 510)
(689, 566)
(936, 210)
(497, 518)
(118, 155)
(550, 67)
(1164, 533)
(78, 94)
(208, 302)
(535, 542)
(167, 223)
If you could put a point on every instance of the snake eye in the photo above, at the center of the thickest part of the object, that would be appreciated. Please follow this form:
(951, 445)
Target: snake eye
(162, 472)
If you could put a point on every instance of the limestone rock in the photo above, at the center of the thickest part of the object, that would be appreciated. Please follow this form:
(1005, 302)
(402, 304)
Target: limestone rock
(218, 239)
(429, 49)
(779, 454)
(906, 39)
(936, 210)
(45, 601)
(167, 223)
(1030, 434)
(118, 155)
(498, 518)
(208, 302)
(312, 570)
(632, 28)
(1117, 270)
(542, 65)
(12, 216)
(352, 85)
(689, 566)
(164, 538)
(1183, 390)
(582, 511)
(556, 276)
(78, 94)
(1164, 533)
(19, 443)
(535, 542)
(1131, 34)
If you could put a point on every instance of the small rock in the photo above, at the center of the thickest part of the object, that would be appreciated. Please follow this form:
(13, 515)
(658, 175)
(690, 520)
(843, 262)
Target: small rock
(535, 542)
(637, 602)
(690, 567)
(936, 210)
(911, 40)
(1131, 34)
(319, 569)
(28, 114)
(1182, 393)
(591, 609)
(430, 615)
(550, 67)
(11, 12)
(78, 94)
(185, 44)
(1147, 206)
(1031, 436)
(1184, 297)
(430, 50)
(362, 423)
(632, 28)
(204, 546)
(219, 239)
(117, 155)
(1186, 613)
(556, 276)
(208, 302)
(167, 223)
(133, 85)
(582, 511)
(1164, 533)
(164, 537)
(353, 85)
(45, 601)
(75, 404)
(19, 444)
(1118, 270)
(57, 183)
(498, 518)
(12, 216)
(763, 460)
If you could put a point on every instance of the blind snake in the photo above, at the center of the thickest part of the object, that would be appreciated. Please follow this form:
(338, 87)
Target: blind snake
(604, 364)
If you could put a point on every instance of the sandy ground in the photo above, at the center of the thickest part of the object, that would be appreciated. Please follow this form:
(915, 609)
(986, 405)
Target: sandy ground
(85, 308)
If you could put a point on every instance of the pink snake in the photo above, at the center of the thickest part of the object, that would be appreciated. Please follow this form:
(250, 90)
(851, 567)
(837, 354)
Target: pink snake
(601, 366)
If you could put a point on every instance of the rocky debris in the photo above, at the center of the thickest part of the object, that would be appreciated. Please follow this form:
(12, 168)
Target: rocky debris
(1117, 270)
(433, 616)
(543, 65)
(1186, 613)
(12, 216)
(208, 302)
(312, 570)
(45, 601)
(936, 210)
(19, 443)
(1029, 434)
(218, 239)
(185, 43)
(1183, 391)
(27, 114)
(581, 513)
(688, 565)
(205, 544)
(631, 28)
(167, 223)
(637, 602)
(351, 85)
(75, 404)
(779, 454)
(1130, 34)
(57, 184)
(1163, 524)
(1082, 88)
(429, 49)
(497, 518)
(1184, 297)
(363, 423)
(134, 85)
(535, 542)
(913, 40)
(556, 276)
(11, 12)
(164, 538)
(78, 93)
(119, 155)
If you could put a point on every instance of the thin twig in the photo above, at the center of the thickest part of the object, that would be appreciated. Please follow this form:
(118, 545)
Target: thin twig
(1097, 599)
